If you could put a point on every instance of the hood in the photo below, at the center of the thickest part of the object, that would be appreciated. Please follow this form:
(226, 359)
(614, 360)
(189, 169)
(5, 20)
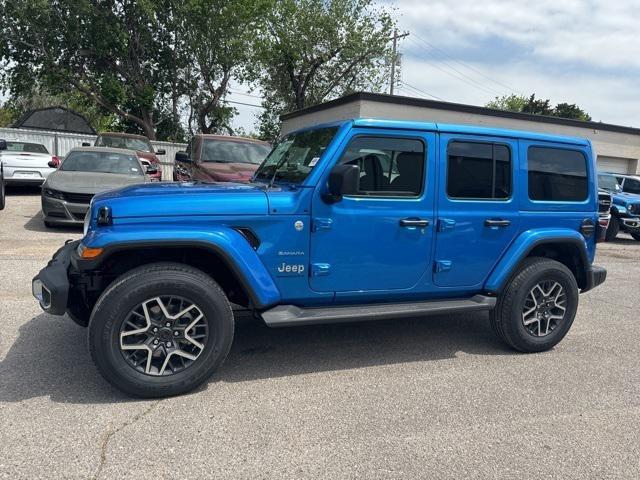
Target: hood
(89, 182)
(622, 198)
(147, 156)
(184, 199)
(227, 171)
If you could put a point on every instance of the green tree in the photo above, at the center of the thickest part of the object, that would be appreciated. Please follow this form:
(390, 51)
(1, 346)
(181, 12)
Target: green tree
(523, 104)
(110, 51)
(309, 51)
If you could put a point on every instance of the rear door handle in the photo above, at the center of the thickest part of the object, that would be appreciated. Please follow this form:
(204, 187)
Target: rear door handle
(496, 223)
(414, 222)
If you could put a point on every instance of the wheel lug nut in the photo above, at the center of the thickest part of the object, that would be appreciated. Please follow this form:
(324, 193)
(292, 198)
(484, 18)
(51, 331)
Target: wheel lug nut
(176, 333)
(155, 329)
(168, 324)
(155, 342)
(168, 344)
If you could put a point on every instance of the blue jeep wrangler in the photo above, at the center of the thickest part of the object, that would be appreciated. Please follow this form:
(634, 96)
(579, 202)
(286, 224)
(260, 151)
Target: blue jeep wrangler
(625, 207)
(362, 219)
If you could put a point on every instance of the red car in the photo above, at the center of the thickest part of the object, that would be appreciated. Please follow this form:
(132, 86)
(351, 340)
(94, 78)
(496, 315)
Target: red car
(139, 143)
(220, 158)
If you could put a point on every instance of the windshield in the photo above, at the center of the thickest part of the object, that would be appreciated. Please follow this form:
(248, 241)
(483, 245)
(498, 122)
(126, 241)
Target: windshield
(608, 182)
(101, 162)
(26, 147)
(139, 144)
(293, 158)
(233, 152)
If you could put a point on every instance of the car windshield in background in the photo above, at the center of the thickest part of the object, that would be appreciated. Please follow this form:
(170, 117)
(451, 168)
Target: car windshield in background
(26, 147)
(124, 142)
(233, 152)
(101, 162)
(293, 158)
(608, 182)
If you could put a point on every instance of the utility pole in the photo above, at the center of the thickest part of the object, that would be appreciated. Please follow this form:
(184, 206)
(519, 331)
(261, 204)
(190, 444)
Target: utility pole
(394, 58)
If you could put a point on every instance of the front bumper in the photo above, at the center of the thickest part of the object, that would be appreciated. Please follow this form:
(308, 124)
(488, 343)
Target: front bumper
(631, 223)
(51, 286)
(62, 212)
(595, 276)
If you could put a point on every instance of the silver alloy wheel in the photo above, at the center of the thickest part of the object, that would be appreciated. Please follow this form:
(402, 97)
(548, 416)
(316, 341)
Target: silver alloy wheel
(544, 308)
(163, 335)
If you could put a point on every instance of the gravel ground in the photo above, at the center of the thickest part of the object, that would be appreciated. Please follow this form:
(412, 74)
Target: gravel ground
(434, 398)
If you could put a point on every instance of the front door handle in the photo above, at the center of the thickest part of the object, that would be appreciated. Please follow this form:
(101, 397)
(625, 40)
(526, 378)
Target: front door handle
(414, 222)
(489, 222)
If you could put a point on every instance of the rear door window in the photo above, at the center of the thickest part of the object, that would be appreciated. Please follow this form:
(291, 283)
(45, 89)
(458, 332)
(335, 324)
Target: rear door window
(478, 170)
(557, 175)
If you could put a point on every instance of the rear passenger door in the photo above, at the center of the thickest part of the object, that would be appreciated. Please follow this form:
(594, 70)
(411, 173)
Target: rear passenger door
(477, 212)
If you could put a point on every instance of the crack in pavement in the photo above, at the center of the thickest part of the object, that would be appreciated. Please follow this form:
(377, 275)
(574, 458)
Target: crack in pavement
(109, 434)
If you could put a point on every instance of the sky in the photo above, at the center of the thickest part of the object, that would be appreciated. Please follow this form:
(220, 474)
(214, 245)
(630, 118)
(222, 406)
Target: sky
(470, 51)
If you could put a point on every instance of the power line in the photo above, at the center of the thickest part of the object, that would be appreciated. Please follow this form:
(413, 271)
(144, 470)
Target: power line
(231, 90)
(423, 91)
(466, 65)
(242, 103)
(459, 75)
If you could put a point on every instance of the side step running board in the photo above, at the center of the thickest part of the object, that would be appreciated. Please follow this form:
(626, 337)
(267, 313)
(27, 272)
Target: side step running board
(290, 315)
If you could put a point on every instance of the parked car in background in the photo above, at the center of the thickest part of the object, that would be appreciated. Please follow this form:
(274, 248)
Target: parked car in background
(220, 158)
(3, 146)
(26, 163)
(605, 200)
(625, 207)
(629, 183)
(139, 143)
(66, 194)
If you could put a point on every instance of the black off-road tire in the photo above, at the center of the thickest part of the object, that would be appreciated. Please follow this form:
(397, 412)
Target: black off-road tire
(79, 314)
(614, 228)
(138, 286)
(2, 194)
(507, 317)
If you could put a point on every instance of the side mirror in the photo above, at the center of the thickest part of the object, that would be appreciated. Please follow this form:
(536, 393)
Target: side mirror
(183, 157)
(151, 169)
(3, 144)
(161, 151)
(86, 144)
(343, 180)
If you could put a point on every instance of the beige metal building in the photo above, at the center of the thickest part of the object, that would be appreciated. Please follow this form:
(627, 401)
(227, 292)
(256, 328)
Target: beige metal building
(617, 147)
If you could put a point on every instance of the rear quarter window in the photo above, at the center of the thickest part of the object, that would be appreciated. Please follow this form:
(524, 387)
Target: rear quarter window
(557, 175)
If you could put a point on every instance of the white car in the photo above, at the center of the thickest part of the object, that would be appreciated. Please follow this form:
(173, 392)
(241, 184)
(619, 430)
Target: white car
(26, 163)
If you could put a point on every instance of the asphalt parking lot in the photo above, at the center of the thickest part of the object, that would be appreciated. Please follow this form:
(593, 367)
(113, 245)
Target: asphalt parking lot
(433, 398)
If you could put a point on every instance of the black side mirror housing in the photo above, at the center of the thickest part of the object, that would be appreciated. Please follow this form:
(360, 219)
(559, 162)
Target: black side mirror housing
(86, 144)
(52, 164)
(183, 157)
(343, 180)
(161, 151)
(3, 144)
(151, 169)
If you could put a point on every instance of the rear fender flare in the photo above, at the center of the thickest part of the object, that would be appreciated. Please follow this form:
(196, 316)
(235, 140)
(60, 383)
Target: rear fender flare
(524, 244)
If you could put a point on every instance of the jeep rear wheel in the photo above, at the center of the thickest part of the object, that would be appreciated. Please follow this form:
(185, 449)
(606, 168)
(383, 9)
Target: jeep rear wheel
(537, 308)
(160, 330)
(613, 229)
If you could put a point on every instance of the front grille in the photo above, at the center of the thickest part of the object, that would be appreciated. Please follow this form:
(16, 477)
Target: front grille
(78, 197)
(604, 202)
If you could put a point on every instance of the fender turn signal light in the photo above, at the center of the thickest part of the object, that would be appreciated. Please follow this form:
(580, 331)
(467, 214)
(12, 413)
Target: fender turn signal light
(90, 252)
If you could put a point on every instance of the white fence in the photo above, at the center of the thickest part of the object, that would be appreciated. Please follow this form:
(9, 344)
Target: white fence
(59, 143)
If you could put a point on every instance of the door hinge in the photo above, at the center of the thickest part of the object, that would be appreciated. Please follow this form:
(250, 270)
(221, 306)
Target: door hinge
(320, 269)
(442, 266)
(322, 224)
(445, 224)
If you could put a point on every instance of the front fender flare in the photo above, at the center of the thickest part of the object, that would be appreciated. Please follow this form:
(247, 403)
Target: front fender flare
(524, 244)
(224, 241)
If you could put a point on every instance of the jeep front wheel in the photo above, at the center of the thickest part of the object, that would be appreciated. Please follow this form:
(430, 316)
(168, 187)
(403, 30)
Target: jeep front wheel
(160, 330)
(613, 229)
(537, 308)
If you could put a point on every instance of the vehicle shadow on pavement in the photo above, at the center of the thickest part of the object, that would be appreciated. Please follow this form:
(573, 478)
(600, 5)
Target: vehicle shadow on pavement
(50, 356)
(36, 224)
